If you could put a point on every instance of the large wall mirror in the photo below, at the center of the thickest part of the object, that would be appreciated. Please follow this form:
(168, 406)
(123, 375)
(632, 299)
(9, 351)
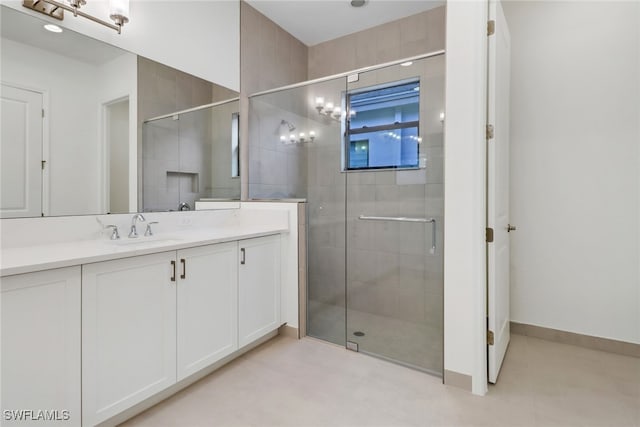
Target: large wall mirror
(76, 115)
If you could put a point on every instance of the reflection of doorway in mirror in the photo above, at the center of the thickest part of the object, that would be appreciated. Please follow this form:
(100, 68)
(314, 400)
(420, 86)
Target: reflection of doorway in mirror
(21, 152)
(116, 145)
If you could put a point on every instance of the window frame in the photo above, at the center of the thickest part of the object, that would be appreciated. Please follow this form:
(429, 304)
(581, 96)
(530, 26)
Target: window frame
(347, 131)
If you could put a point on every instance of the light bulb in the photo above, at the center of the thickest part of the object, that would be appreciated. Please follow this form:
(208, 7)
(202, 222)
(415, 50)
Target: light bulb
(119, 11)
(53, 28)
(312, 133)
(319, 101)
(329, 106)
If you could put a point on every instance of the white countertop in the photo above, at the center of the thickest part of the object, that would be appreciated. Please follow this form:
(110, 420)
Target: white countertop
(57, 255)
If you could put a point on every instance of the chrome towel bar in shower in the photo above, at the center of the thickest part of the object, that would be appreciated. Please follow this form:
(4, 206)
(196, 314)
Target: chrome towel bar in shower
(407, 219)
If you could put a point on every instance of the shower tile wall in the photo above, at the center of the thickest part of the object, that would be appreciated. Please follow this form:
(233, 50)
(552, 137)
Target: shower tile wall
(276, 170)
(403, 38)
(270, 57)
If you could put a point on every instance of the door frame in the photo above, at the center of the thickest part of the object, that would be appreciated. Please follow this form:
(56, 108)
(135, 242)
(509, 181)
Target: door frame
(46, 148)
(105, 162)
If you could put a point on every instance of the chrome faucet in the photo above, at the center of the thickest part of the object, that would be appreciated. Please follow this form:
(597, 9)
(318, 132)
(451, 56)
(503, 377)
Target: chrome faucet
(134, 232)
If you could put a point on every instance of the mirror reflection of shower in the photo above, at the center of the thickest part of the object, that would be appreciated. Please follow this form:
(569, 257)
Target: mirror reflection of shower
(190, 156)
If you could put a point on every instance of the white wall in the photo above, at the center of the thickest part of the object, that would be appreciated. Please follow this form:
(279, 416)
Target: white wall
(575, 184)
(74, 93)
(464, 195)
(69, 87)
(199, 37)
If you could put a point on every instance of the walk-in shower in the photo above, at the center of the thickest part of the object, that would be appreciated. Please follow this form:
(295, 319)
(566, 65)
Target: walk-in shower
(373, 178)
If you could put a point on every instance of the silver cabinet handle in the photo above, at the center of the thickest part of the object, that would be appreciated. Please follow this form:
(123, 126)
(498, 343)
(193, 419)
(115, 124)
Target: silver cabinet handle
(407, 219)
(242, 256)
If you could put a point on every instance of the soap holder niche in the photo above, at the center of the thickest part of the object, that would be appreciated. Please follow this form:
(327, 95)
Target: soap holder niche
(187, 181)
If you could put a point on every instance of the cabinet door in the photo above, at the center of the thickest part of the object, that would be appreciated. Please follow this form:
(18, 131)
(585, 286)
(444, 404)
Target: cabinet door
(258, 288)
(128, 333)
(41, 348)
(207, 306)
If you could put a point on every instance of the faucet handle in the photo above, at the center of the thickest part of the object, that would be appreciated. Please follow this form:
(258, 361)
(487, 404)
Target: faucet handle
(148, 231)
(114, 235)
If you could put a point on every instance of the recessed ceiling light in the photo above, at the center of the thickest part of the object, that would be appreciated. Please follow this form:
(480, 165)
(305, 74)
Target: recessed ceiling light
(53, 28)
(358, 3)
(407, 64)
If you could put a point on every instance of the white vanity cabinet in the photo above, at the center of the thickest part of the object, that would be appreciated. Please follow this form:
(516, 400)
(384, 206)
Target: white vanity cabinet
(128, 333)
(41, 348)
(258, 288)
(151, 321)
(207, 306)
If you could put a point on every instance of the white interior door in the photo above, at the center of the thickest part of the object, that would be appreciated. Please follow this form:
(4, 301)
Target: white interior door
(20, 153)
(498, 189)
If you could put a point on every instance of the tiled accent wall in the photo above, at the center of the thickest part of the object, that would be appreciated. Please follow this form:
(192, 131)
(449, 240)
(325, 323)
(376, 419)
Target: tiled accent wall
(269, 58)
(411, 36)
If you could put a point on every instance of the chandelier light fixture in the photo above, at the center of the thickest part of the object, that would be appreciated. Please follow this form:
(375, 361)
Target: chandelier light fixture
(118, 11)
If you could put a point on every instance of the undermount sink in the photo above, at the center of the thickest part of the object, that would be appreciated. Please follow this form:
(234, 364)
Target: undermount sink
(143, 240)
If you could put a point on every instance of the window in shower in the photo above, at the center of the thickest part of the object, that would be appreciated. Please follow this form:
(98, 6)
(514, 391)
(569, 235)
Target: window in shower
(382, 127)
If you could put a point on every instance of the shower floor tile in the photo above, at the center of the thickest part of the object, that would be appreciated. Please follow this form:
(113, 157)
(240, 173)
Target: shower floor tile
(413, 344)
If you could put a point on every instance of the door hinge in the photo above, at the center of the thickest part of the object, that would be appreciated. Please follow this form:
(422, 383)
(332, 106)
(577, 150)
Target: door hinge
(489, 235)
(43, 162)
(489, 132)
(489, 337)
(491, 27)
(43, 113)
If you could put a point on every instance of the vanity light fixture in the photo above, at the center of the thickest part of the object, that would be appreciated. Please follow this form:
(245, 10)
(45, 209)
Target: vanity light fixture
(329, 109)
(118, 11)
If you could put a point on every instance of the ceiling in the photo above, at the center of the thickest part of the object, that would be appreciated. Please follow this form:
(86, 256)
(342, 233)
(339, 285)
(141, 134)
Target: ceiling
(26, 29)
(316, 21)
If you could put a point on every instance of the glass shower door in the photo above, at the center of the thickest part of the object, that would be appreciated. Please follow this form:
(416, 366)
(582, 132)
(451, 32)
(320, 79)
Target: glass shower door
(393, 162)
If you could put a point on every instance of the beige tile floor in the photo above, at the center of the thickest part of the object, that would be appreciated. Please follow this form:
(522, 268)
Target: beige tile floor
(287, 382)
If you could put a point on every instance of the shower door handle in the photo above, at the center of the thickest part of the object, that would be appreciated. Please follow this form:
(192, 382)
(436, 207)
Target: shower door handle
(407, 219)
